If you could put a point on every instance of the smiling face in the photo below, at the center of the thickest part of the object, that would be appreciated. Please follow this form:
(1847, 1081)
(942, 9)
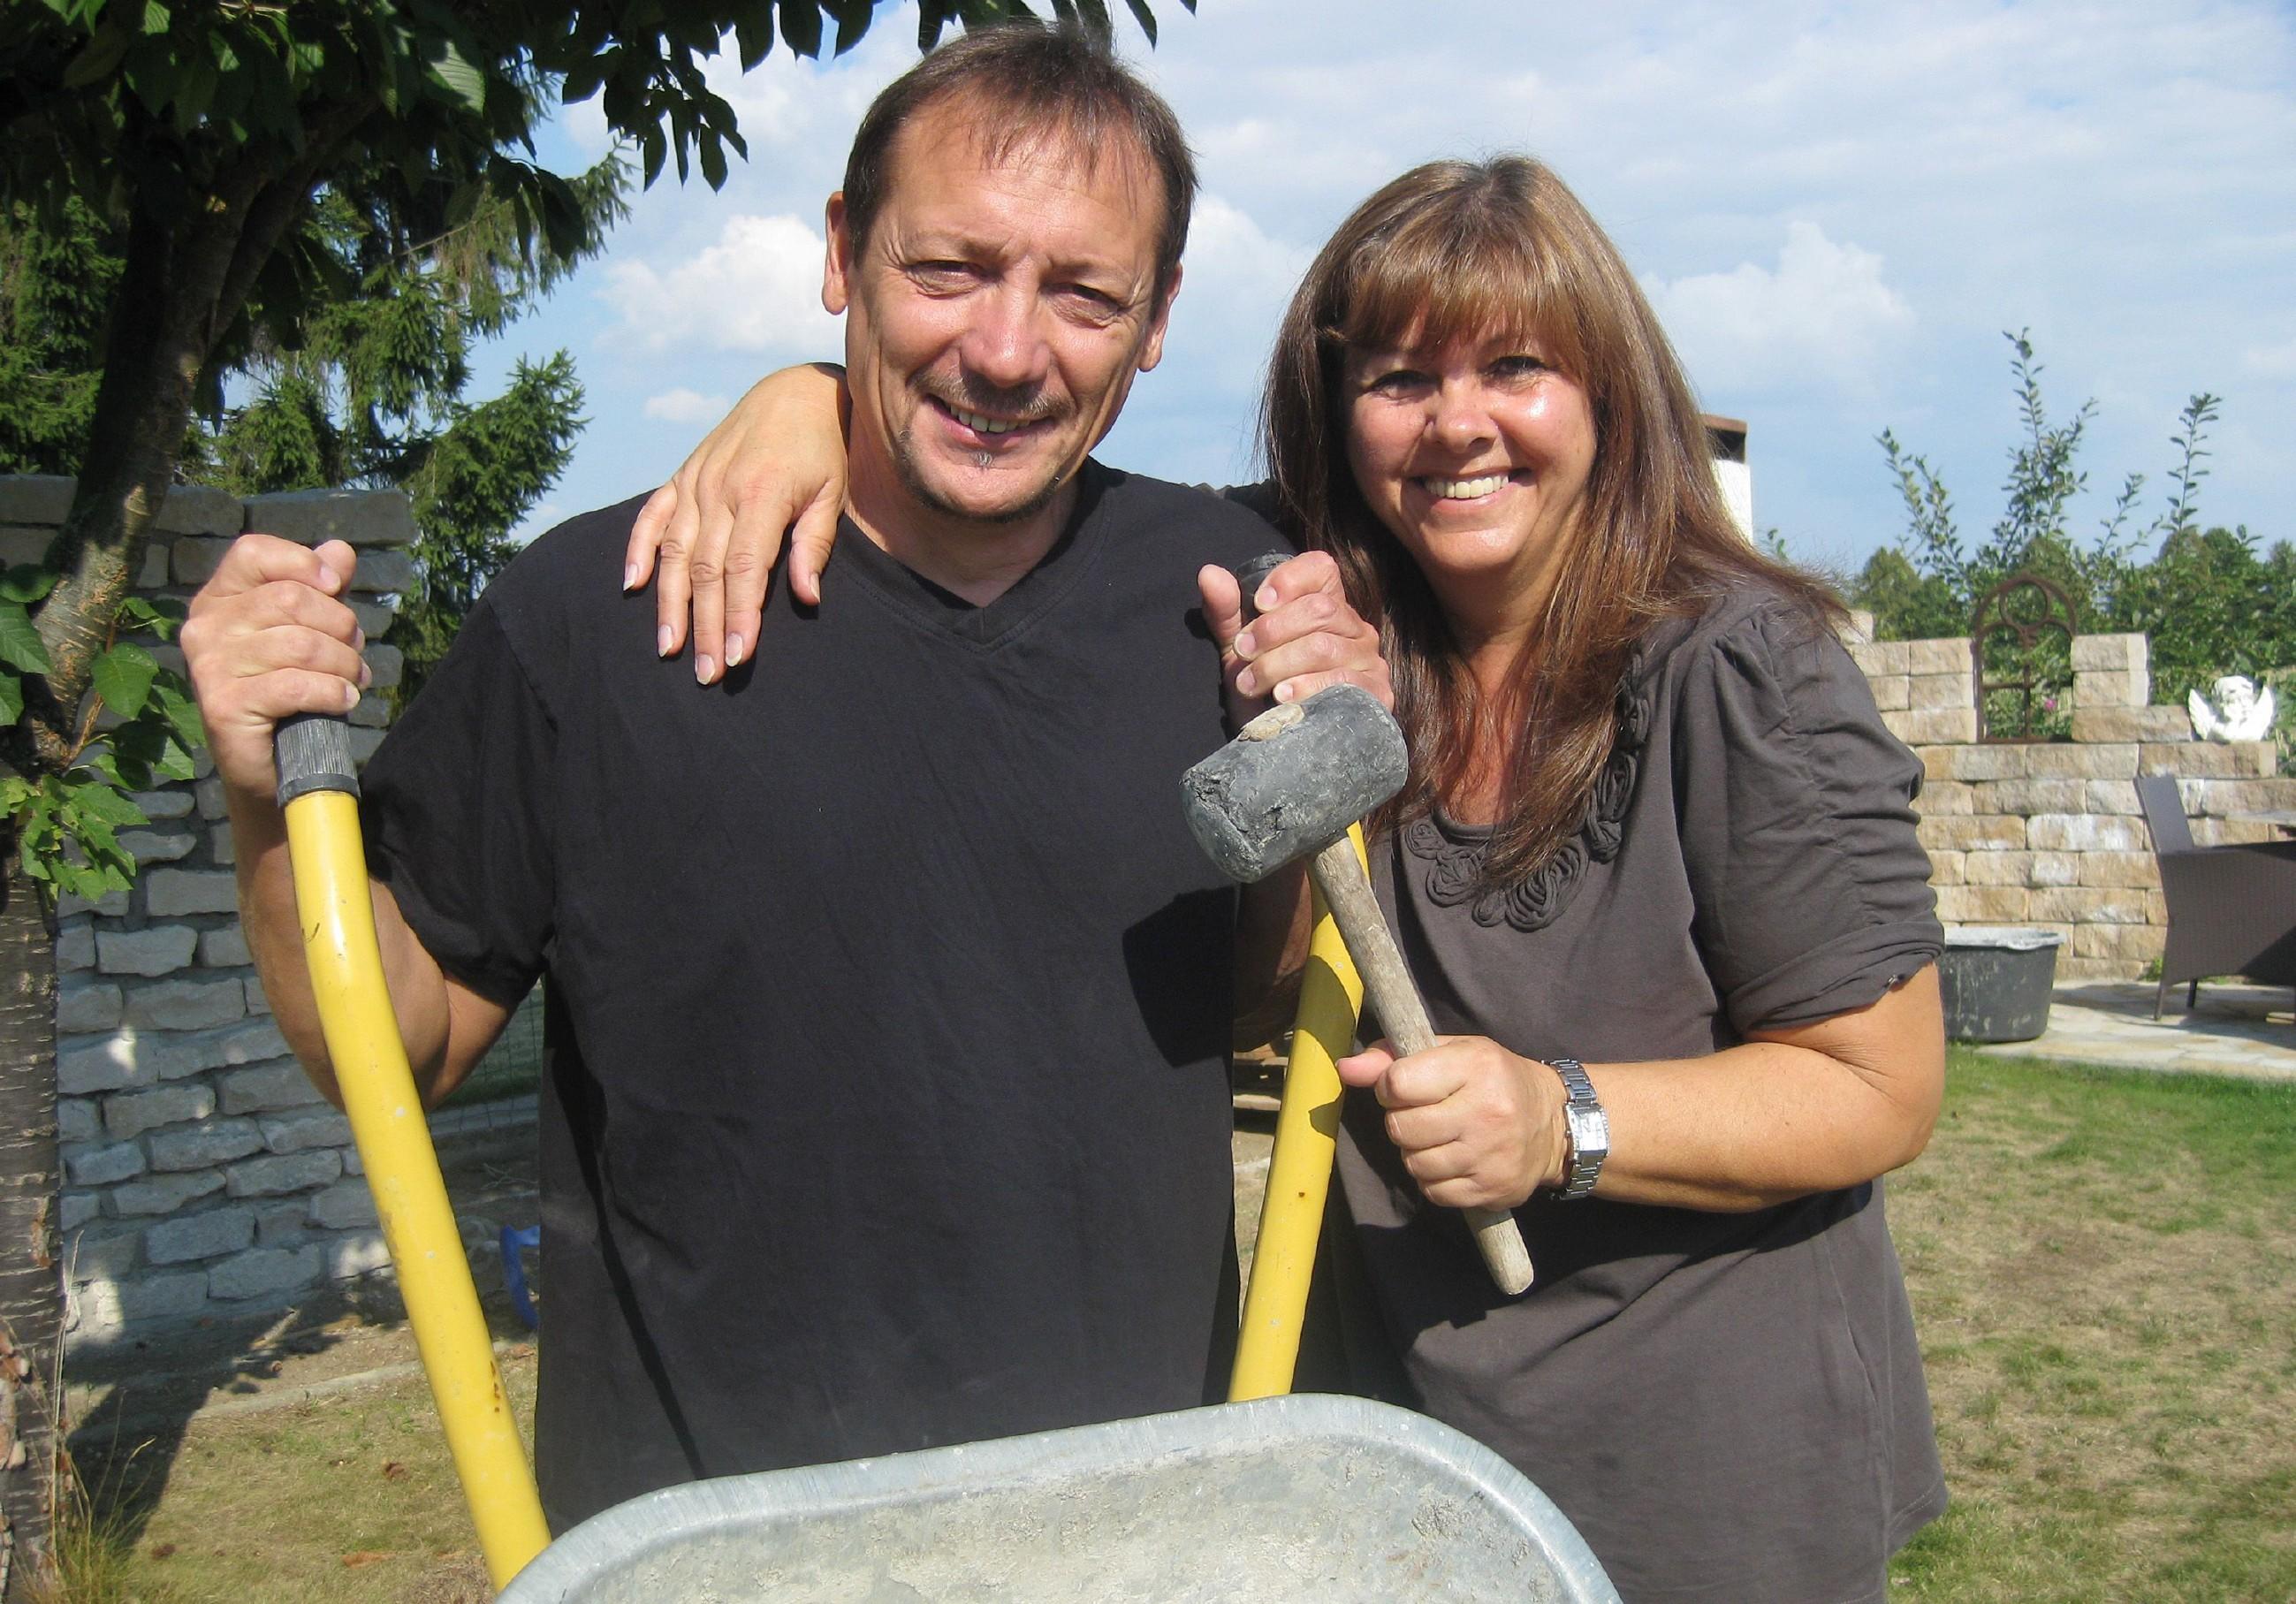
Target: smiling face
(1476, 456)
(994, 318)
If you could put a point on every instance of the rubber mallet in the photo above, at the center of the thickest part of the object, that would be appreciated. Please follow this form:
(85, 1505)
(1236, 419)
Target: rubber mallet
(1288, 787)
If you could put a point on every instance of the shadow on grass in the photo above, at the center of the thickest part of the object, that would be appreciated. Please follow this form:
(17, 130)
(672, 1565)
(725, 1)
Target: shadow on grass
(154, 1387)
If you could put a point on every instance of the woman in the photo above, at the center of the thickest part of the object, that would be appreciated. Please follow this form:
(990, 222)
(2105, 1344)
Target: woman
(1655, 862)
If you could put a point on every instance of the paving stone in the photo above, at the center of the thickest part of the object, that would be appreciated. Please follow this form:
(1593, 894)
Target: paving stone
(157, 847)
(198, 1236)
(154, 949)
(168, 893)
(171, 1055)
(372, 712)
(198, 510)
(1998, 868)
(79, 1119)
(194, 1002)
(2130, 724)
(2084, 832)
(2112, 690)
(153, 574)
(2055, 869)
(223, 948)
(251, 991)
(102, 1164)
(265, 1270)
(101, 1063)
(34, 498)
(107, 1250)
(164, 1194)
(1981, 904)
(85, 1005)
(1972, 832)
(1893, 692)
(383, 571)
(346, 1204)
(162, 1297)
(172, 803)
(223, 846)
(1942, 796)
(1882, 658)
(1932, 726)
(112, 904)
(1925, 692)
(129, 1114)
(281, 1224)
(2027, 798)
(1939, 657)
(75, 1209)
(2069, 760)
(314, 1127)
(209, 794)
(1973, 762)
(204, 1146)
(2110, 654)
(267, 1086)
(386, 665)
(364, 743)
(275, 1175)
(359, 518)
(373, 616)
(1948, 868)
(76, 944)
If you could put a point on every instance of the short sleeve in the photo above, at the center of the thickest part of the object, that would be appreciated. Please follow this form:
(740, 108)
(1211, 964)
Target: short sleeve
(1811, 889)
(451, 804)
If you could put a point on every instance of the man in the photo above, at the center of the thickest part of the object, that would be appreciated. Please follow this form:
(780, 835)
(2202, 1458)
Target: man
(884, 1099)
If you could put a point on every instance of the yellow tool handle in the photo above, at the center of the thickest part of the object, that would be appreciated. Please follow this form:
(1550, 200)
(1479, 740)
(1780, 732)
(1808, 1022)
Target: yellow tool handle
(337, 916)
(1300, 1169)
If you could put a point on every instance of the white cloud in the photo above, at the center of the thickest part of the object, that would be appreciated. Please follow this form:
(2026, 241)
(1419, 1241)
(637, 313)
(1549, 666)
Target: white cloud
(2271, 362)
(682, 405)
(758, 289)
(1823, 311)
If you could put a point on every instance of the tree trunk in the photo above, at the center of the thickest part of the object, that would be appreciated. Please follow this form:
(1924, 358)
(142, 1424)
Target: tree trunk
(31, 1281)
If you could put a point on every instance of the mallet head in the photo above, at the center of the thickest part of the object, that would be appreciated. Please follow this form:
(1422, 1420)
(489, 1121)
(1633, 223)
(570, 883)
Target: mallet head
(1294, 780)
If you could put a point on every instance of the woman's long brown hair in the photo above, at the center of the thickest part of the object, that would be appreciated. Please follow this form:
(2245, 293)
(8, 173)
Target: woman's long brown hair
(1478, 251)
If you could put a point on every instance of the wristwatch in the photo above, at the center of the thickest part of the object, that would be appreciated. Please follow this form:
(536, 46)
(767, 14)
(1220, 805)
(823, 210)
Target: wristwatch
(1588, 1126)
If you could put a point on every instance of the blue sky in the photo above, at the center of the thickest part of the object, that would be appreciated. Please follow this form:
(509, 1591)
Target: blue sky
(1836, 208)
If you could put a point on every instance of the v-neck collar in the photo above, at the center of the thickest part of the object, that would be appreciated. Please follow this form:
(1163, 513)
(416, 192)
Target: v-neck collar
(943, 612)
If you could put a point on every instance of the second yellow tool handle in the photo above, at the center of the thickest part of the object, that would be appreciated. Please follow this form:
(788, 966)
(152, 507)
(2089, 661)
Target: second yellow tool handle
(337, 917)
(1300, 1168)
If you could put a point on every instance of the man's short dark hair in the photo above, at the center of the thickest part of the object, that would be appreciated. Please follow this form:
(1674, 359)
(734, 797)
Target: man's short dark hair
(1029, 81)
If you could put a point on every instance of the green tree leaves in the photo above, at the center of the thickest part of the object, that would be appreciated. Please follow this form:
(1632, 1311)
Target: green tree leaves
(2209, 601)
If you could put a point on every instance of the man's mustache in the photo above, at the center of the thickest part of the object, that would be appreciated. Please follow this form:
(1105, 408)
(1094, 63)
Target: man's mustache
(1034, 405)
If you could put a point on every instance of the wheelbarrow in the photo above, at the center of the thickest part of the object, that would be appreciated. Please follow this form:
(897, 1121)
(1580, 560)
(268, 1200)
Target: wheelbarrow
(1338, 1501)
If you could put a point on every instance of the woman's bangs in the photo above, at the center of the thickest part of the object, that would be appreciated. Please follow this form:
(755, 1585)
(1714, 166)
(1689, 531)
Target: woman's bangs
(1429, 287)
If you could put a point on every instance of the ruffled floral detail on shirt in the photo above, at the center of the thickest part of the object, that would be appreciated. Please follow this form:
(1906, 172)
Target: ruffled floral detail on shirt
(1455, 869)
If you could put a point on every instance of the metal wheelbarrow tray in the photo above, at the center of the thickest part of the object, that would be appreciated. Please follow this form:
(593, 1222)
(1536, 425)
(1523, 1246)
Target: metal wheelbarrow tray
(1307, 1497)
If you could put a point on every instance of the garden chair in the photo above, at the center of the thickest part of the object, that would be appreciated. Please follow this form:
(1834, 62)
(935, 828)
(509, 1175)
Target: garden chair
(2232, 910)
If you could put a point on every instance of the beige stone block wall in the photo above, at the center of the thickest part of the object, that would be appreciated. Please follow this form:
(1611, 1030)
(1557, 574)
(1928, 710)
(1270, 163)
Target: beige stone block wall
(2112, 690)
(2093, 725)
(1933, 726)
(2112, 654)
(2050, 834)
(1940, 657)
(1928, 691)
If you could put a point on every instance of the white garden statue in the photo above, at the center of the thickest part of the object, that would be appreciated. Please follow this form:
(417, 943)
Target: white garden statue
(2238, 711)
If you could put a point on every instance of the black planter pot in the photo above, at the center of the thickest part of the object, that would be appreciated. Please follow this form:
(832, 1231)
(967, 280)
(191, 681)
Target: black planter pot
(1995, 983)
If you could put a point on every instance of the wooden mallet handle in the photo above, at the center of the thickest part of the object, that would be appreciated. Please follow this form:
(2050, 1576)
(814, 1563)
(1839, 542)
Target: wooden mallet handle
(1388, 986)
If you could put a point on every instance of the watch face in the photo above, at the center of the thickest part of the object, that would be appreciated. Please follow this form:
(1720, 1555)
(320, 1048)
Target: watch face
(1590, 1131)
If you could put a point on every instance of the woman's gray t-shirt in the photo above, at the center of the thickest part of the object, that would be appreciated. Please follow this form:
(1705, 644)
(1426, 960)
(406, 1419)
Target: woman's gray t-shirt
(1728, 1406)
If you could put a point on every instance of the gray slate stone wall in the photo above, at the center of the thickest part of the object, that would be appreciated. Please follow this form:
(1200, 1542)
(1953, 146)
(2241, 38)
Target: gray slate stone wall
(203, 1175)
(2050, 834)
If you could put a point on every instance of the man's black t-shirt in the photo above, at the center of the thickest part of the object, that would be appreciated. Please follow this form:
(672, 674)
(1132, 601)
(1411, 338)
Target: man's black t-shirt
(888, 996)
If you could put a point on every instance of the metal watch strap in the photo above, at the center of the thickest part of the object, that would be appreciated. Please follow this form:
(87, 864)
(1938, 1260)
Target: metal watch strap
(1589, 1128)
